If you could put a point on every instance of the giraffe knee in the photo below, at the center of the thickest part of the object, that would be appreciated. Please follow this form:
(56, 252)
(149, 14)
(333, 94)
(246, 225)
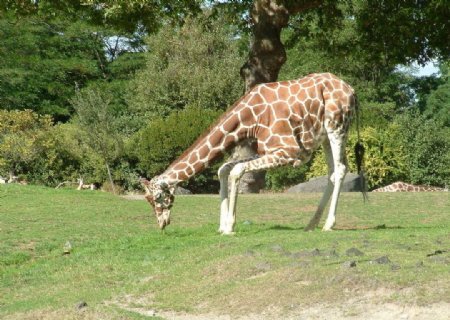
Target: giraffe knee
(341, 170)
(237, 171)
(339, 173)
(224, 170)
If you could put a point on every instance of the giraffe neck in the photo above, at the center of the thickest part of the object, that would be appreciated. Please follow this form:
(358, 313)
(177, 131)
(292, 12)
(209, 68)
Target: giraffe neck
(211, 145)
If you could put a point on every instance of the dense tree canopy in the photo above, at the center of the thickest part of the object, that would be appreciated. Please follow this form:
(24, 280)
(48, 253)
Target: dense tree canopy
(151, 64)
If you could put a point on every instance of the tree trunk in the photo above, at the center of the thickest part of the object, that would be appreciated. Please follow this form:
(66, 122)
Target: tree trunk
(267, 56)
(110, 178)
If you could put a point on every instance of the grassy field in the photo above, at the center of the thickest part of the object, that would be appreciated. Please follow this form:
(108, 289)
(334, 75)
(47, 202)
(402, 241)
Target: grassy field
(122, 267)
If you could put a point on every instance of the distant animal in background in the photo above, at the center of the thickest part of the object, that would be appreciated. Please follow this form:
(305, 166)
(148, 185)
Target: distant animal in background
(400, 186)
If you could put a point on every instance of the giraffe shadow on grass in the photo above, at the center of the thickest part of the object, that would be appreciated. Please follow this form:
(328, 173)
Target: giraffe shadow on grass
(350, 228)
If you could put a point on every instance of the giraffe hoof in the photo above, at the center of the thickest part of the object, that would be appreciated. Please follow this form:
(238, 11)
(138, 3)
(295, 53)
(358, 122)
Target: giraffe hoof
(311, 226)
(228, 233)
(327, 229)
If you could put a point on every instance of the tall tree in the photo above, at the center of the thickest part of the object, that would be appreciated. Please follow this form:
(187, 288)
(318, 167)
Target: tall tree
(97, 118)
(42, 62)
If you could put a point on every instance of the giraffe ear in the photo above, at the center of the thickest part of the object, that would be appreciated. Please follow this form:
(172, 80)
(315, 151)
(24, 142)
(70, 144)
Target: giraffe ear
(144, 181)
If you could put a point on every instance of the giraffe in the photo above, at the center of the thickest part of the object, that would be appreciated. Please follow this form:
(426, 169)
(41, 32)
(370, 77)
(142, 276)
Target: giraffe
(287, 121)
(400, 186)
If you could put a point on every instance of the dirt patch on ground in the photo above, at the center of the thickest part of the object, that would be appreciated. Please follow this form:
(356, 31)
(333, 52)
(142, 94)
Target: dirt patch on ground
(368, 306)
(348, 310)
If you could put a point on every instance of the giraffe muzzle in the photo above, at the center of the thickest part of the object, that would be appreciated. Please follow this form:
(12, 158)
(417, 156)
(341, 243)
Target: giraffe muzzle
(164, 219)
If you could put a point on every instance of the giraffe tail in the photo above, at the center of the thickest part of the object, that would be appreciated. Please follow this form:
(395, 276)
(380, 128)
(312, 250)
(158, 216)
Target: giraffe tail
(359, 155)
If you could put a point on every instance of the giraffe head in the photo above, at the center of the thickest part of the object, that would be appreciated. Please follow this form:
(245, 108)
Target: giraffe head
(160, 196)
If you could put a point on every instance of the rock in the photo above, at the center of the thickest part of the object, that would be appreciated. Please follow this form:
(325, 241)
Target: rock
(247, 223)
(351, 184)
(349, 264)
(395, 267)
(420, 264)
(182, 191)
(301, 264)
(81, 305)
(354, 252)
(277, 248)
(263, 266)
(67, 249)
(438, 259)
(332, 253)
(150, 313)
(436, 253)
(381, 260)
(249, 253)
(299, 254)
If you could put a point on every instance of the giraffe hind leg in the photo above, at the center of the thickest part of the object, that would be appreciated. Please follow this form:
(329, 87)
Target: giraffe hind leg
(337, 143)
(314, 222)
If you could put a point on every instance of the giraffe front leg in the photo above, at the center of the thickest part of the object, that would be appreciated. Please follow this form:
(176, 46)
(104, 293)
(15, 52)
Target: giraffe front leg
(223, 173)
(265, 162)
(230, 218)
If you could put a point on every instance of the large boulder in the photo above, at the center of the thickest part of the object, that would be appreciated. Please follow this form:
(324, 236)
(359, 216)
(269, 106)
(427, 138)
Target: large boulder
(352, 183)
(182, 191)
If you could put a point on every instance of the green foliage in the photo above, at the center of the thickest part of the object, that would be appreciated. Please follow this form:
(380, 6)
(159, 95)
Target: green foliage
(163, 140)
(195, 65)
(63, 158)
(97, 118)
(282, 177)
(41, 63)
(49, 48)
(427, 143)
(384, 159)
(438, 102)
(22, 135)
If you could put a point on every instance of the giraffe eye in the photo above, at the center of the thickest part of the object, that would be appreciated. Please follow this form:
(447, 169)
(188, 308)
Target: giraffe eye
(159, 197)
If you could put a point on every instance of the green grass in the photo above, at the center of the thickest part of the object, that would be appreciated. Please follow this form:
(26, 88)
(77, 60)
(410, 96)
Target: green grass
(120, 262)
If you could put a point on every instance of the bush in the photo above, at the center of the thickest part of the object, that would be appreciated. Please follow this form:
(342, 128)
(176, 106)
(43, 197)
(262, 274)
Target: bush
(22, 135)
(282, 177)
(384, 159)
(427, 142)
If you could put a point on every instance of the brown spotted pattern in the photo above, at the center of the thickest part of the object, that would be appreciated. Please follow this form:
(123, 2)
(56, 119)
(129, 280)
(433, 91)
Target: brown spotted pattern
(400, 186)
(288, 120)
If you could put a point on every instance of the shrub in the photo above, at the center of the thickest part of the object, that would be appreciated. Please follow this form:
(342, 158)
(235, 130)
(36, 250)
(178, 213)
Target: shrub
(22, 135)
(427, 142)
(384, 159)
(285, 176)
